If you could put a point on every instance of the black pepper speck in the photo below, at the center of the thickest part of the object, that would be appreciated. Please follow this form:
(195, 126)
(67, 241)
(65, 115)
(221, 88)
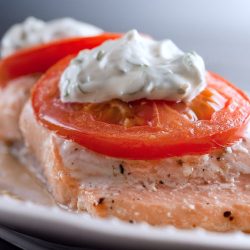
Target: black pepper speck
(121, 169)
(227, 214)
(180, 162)
(101, 200)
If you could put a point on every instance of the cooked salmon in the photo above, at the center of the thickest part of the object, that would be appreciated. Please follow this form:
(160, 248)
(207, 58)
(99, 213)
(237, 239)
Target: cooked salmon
(12, 99)
(211, 191)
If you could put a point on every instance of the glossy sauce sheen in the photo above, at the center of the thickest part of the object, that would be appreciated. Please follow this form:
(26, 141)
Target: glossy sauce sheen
(18, 182)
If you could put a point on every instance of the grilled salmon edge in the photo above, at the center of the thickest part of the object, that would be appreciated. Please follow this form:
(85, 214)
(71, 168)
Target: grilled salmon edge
(225, 213)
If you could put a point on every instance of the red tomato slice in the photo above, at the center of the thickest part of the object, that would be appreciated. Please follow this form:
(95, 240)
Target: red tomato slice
(145, 129)
(39, 58)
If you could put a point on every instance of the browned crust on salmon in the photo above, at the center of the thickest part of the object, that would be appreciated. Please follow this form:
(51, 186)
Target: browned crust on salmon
(210, 206)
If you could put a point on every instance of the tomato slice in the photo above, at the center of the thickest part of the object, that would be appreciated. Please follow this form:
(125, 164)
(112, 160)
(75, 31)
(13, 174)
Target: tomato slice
(145, 129)
(39, 58)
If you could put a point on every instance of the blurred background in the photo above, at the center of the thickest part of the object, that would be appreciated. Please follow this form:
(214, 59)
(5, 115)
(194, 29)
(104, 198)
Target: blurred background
(219, 30)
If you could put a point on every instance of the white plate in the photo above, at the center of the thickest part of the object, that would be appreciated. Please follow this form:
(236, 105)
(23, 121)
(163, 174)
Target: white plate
(55, 224)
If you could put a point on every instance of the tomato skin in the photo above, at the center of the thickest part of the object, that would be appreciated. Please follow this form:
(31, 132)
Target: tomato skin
(39, 58)
(169, 135)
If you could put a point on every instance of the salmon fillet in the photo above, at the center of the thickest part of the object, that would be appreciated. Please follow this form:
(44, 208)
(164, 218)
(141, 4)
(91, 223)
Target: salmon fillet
(210, 191)
(12, 99)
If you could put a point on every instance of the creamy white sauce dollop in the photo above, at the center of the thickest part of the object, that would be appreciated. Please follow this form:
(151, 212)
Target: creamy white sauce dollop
(34, 31)
(131, 68)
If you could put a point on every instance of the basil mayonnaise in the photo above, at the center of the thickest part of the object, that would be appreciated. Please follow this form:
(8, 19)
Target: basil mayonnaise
(34, 31)
(131, 68)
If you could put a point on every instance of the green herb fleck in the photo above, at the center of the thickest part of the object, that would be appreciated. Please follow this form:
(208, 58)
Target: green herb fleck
(77, 61)
(80, 88)
(100, 55)
(67, 89)
(181, 91)
(136, 91)
(142, 65)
